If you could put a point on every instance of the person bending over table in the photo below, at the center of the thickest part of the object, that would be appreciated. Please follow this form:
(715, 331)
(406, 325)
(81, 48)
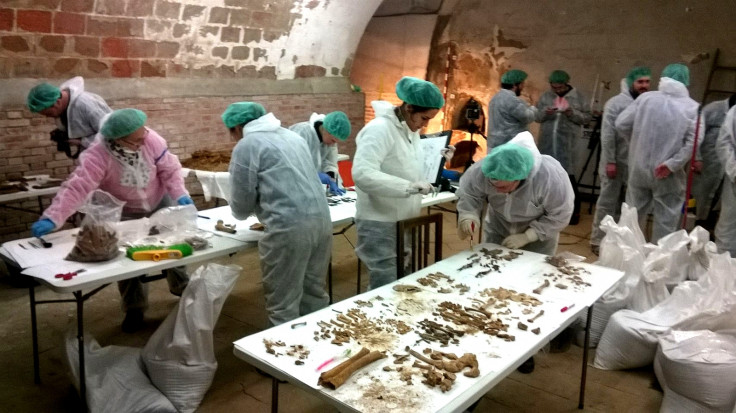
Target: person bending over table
(388, 175)
(272, 175)
(132, 163)
(530, 200)
(322, 132)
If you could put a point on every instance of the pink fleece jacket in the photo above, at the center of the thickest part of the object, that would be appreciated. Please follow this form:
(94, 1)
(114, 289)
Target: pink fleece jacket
(98, 169)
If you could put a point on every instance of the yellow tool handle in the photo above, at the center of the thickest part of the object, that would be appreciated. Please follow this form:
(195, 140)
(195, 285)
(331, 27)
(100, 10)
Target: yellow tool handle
(156, 255)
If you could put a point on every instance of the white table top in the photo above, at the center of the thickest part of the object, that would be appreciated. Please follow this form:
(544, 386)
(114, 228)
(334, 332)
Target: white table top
(31, 193)
(497, 358)
(120, 268)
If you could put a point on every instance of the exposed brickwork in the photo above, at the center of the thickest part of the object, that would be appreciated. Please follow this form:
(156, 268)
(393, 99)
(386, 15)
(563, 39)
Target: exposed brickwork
(87, 46)
(27, 150)
(310, 71)
(15, 44)
(53, 44)
(34, 21)
(78, 6)
(7, 16)
(69, 23)
(140, 8)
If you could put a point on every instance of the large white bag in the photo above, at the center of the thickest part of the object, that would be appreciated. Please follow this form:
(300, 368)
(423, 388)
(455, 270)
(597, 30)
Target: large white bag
(701, 252)
(180, 356)
(697, 370)
(116, 378)
(627, 342)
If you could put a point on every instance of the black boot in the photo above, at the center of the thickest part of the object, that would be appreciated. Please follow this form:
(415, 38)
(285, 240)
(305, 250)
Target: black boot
(133, 320)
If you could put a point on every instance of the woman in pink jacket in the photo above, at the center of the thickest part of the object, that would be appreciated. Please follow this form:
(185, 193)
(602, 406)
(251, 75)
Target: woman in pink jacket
(132, 163)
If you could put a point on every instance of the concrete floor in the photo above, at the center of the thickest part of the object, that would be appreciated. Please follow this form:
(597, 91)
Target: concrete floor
(553, 387)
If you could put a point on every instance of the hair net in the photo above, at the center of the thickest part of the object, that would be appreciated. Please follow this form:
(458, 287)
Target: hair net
(635, 73)
(508, 162)
(42, 97)
(513, 77)
(678, 72)
(419, 92)
(122, 122)
(337, 124)
(559, 76)
(240, 113)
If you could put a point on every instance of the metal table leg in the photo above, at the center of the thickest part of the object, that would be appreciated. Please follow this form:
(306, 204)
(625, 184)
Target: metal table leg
(274, 395)
(34, 333)
(80, 342)
(586, 344)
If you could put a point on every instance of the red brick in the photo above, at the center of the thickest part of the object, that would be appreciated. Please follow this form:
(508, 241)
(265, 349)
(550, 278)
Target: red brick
(110, 7)
(153, 69)
(251, 35)
(167, 49)
(141, 48)
(114, 47)
(309, 71)
(87, 46)
(53, 44)
(69, 23)
(129, 28)
(78, 6)
(65, 66)
(125, 68)
(192, 11)
(167, 10)
(6, 19)
(230, 35)
(240, 18)
(219, 15)
(261, 19)
(98, 67)
(140, 8)
(15, 44)
(34, 21)
(102, 26)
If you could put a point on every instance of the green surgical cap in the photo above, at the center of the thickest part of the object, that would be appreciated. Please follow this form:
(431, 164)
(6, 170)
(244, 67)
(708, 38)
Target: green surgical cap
(559, 76)
(678, 72)
(508, 162)
(419, 92)
(122, 122)
(637, 72)
(240, 113)
(513, 77)
(42, 97)
(337, 124)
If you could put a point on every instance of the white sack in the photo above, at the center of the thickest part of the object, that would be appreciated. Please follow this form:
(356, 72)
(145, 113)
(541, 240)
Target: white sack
(698, 369)
(179, 356)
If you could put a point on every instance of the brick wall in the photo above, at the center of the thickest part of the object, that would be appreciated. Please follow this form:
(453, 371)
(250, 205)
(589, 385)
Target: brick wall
(187, 123)
(176, 38)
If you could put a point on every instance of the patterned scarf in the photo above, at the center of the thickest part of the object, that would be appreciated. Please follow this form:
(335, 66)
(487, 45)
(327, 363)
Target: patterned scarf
(136, 173)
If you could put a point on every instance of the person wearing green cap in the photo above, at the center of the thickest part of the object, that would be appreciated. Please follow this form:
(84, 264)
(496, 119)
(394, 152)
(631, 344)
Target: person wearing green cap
(388, 173)
(709, 170)
(529, 196)
(561, 112)
(613, 166)
(508, 115)
(272, 175)
(661, 125)
(322, 132)
(77, 113)
(132, 163)
(726, 149)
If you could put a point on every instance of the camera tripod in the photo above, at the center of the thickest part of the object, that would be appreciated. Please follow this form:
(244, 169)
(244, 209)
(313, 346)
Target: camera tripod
(594, 147)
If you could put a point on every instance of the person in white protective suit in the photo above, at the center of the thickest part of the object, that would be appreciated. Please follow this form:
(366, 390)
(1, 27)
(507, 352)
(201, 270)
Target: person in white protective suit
(273, 176)
(387, 170)
(530, 200)
(562, 111)
(322, 132)
(613, 166)
(77, 113)
(726, 149)
(662, 129)
(507, 114)
(709, 171)
(529, 196)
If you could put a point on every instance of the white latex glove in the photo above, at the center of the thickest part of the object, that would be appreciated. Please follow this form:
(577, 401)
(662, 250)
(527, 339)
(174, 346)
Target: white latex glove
(419, 187)
(448, 152)
(466, 227)
(517, 241)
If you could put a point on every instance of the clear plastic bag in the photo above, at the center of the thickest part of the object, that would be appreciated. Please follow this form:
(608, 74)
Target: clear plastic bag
(97, 238)
(171, 226)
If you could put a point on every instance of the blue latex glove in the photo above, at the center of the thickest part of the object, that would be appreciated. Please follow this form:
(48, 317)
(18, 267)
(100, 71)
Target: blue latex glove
(42, 227)
(184, 200)
(324, 178)
(327, 180)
